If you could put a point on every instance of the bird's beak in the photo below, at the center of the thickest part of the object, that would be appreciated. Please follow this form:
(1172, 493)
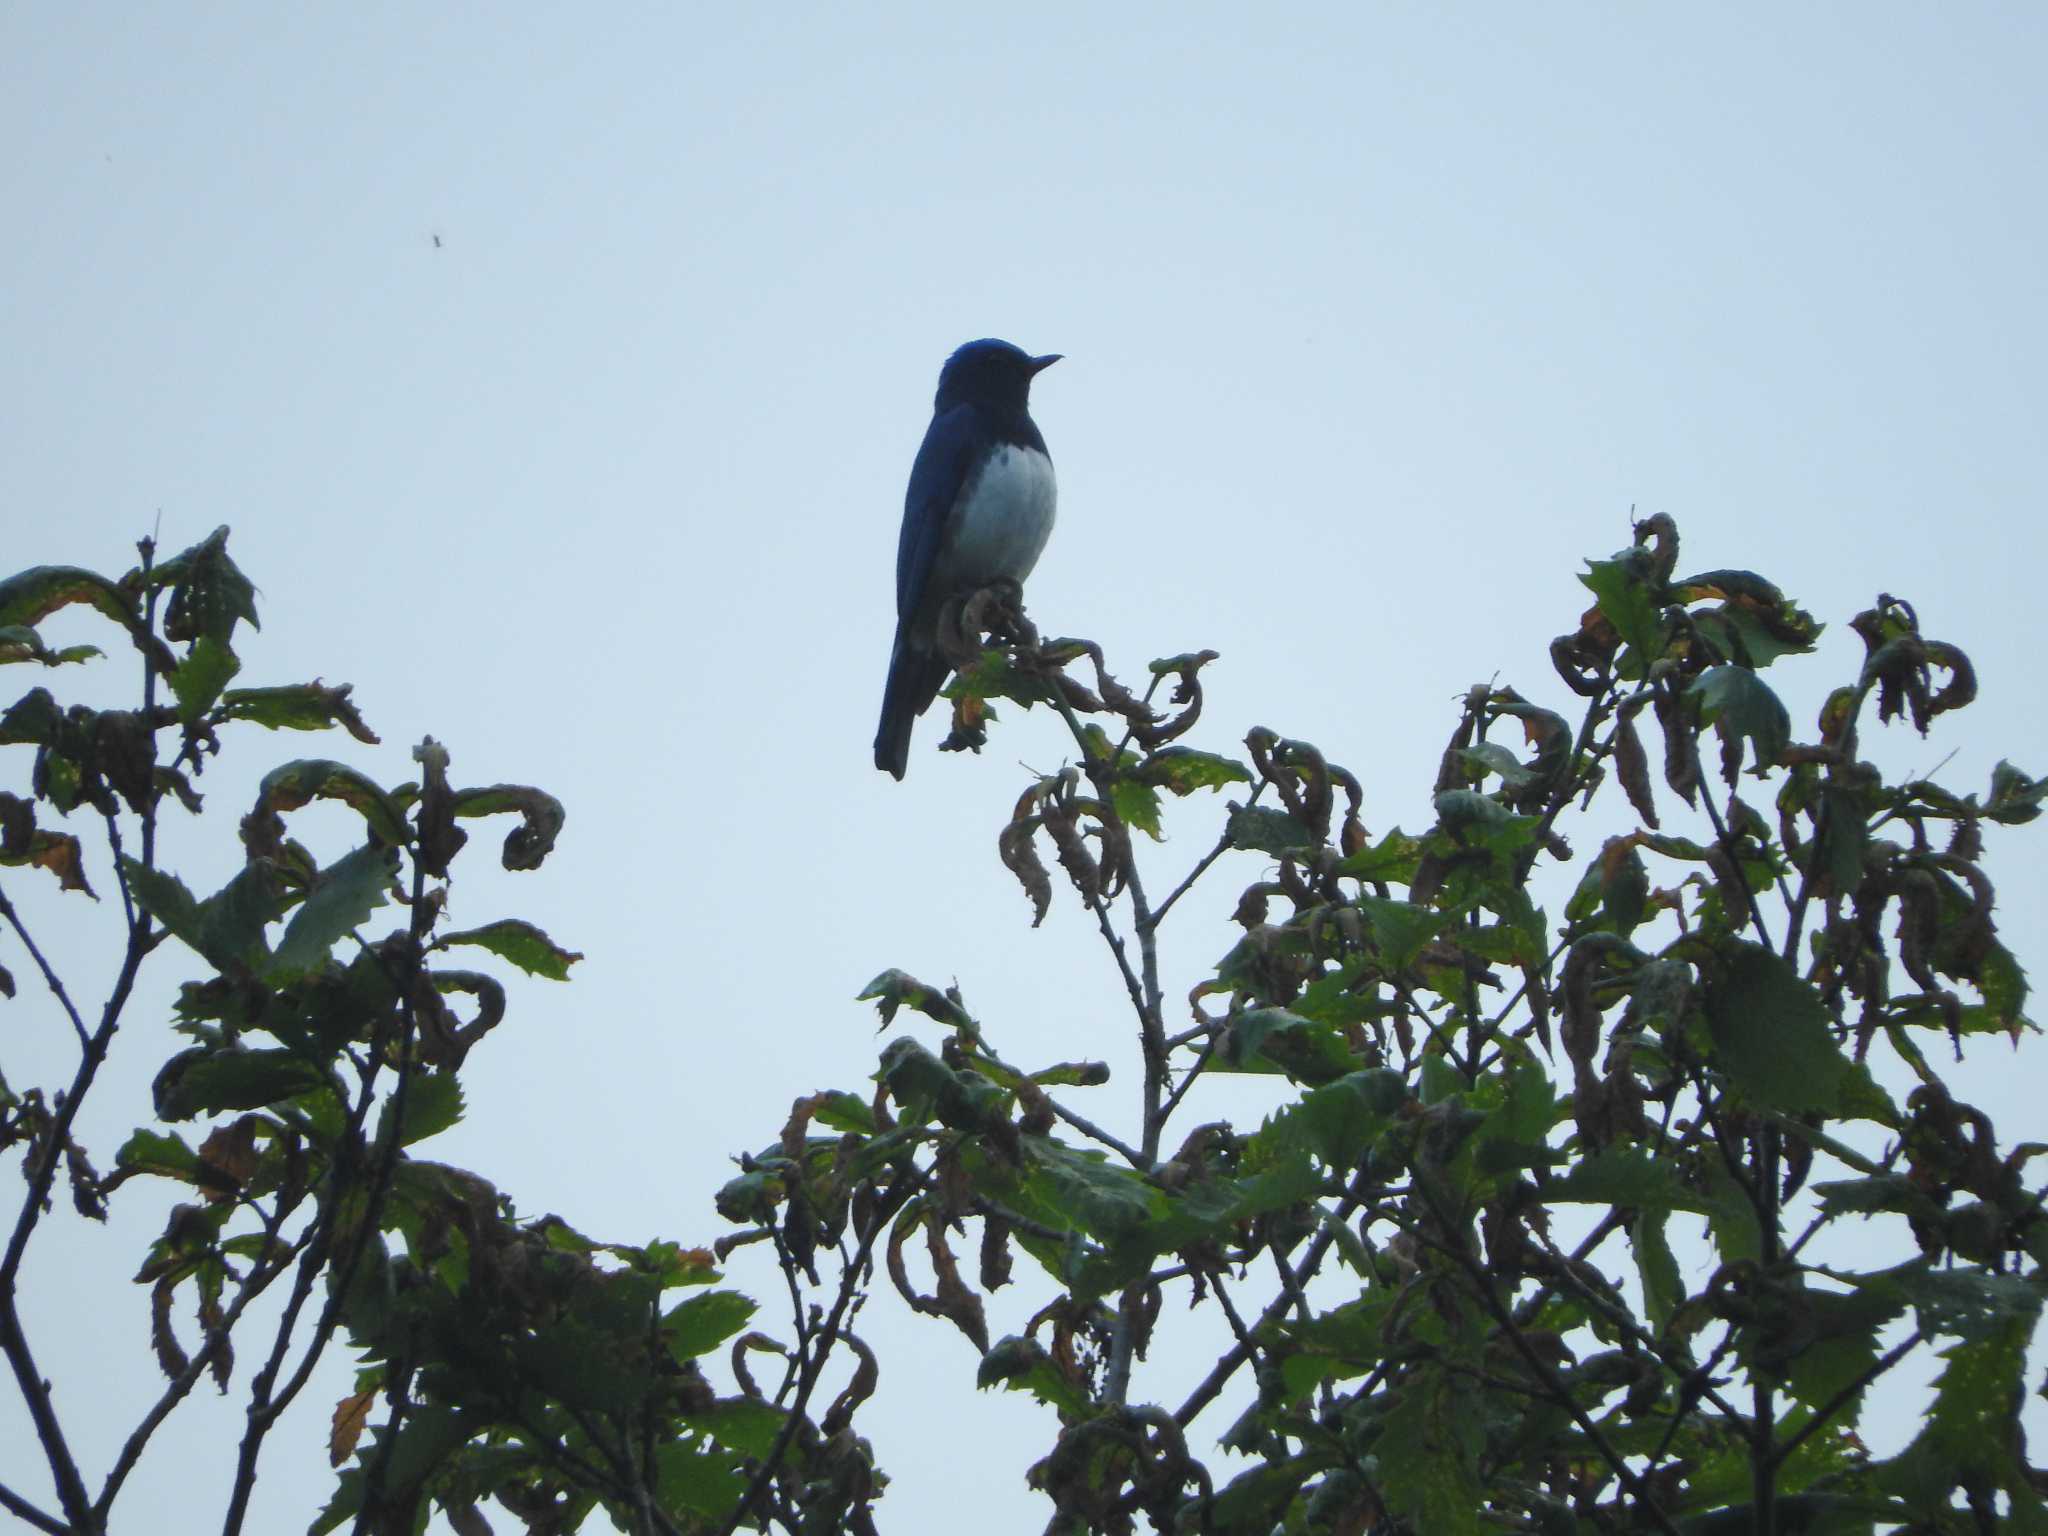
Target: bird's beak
(1040, 364)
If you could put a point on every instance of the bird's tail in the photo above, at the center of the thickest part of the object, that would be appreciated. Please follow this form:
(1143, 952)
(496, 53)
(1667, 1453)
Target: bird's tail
(915, 677)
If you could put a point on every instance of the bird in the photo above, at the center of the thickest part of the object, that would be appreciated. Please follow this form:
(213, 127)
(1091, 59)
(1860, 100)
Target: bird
(978, 511)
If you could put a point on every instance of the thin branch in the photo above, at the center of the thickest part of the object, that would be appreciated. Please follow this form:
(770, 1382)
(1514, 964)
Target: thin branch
(827, 1335)
(22, 1510)
(50, 977)
(1202, 865)
(1845, 1396)
(1560, 1394)
(1188, 1080)
(260, 1280)
(264, 1406)
(1318, 1247)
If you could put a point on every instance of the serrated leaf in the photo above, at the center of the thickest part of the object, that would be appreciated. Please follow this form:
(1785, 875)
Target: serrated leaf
(1428, 1451)
(1624, 594)
(298, 707)
(221, 1079)
(1338, 1121)
(342, 899)
(152, 1152)
(700, 1324)
(201, 676)
(707, 1482)
(1400, 929)
(20, 642)
(1392, 859)
(1771, 1033)
(1022, 1365)
(746, 1424)
(33, 595)
(294, 784)
(1623, 1176)
(1183, 770)
(1260, 829)
(209, 593)
(1100, 1197)
(1739, 704)
(433, 1103)
(164, 897)
(521, 943)
(1663, 1285)
(1137, 806)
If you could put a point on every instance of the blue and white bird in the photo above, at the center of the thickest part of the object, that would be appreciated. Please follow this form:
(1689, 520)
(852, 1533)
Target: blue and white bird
(978, 511)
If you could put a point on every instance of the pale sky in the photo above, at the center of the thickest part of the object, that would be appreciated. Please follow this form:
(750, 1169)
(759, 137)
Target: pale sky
(1378, 320)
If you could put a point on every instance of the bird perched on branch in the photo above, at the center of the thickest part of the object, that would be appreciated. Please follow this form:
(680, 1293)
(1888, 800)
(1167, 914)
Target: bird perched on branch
(978, 511)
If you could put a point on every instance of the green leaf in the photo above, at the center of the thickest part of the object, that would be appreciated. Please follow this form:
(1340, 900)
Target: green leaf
(895, 989)
(1968, 1303)
(342, 899)
(1400, 929)
(295, 784)
(992, 676)
(1491, 757)
(154, 1153)
(2015, 798)
(1440, 1081)
(541, 817)
(1100, 1197)
(1626, 599)
(1663, 1285)
(1339, 1121)
(747, 1424)
(513, 939)
(1739, 704)
(233, 918)
(1137, 805)
(1841, 1344)
(20, 642)
(1755, 623)
(845, 1112)
(1469, 819)
(164, 897)
(1022, 1365)
(1624, 1176)
(218, 1079)
(1771, 1033)
(1260, 829)
(1279, 1040)
(209, 593)
(1184, 770)
(1969, 1433)
(35, 594)
(706, 1481)
(31, 720)
(200, 677)
(1392, 859)
(298, 707)
(433, 1103)
(701, 1323)
(1428, 1452)
(1255, 1500)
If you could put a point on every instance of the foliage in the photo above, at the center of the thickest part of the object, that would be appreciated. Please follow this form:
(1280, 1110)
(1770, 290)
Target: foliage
(500, 1358)
(1533, 1241)
(1449, 1268)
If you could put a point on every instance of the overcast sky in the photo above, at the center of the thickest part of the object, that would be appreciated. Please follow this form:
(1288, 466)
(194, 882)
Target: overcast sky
(559, 368)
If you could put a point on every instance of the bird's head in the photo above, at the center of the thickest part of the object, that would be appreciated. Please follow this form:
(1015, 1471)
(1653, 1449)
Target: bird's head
(991, 373)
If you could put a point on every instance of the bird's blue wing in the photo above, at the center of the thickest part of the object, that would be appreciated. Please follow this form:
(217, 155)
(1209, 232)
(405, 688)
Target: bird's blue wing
(950, 445)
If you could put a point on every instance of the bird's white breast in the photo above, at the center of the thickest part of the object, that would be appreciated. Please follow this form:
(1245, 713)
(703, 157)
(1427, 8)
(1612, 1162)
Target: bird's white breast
(1002, 519)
